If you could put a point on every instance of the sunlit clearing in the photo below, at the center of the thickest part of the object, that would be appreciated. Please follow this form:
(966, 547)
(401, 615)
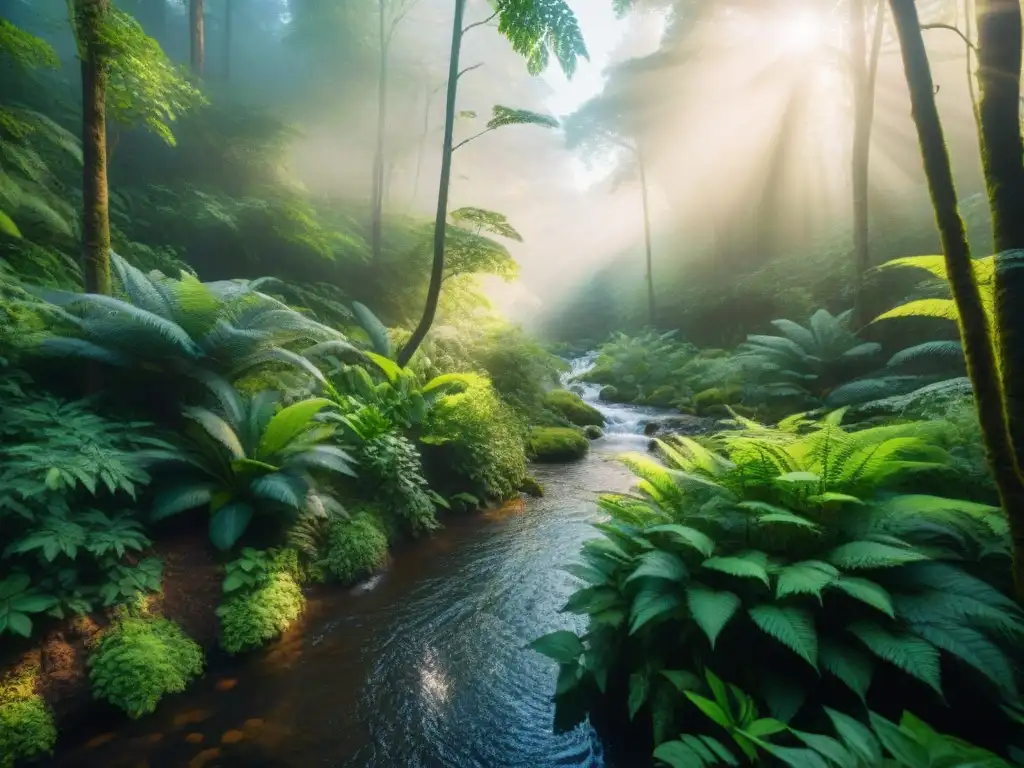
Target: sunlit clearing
(802, 33)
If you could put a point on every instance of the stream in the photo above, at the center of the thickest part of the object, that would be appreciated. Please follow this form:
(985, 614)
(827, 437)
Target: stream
(423, 665)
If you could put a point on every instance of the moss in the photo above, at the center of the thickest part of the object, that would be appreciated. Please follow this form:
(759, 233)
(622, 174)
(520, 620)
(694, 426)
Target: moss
(531, 487)
(26, 723)
(250, 620)
(662, 397)
(357, 547)
(571, 406)
(709, 398)
(139, 660)
(557, 444)
(593, 432)
(608, 394)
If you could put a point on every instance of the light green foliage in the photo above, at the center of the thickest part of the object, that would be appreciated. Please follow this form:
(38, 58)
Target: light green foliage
(139, 660)
(474, 443)
(252, 618)
(538, 28)
(24, 48)
(570, 406)
(637, 366)
(251, 568)
(807, 362)
(391, 474)
(26, 724)
(144, 86)
(248, 458)
(820, 546)
(358, 547)
(556, 444)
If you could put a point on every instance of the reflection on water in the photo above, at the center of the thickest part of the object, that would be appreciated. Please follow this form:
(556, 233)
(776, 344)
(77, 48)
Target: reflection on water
(424, 669)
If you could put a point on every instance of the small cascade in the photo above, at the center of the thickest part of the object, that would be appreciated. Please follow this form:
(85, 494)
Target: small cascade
(620, 418)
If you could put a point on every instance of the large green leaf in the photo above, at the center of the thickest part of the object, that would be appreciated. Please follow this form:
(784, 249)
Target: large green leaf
(915, 656)
(179, 498)
(748, 565)
(374, 328)
(791, 626)
(229, 523)
(867, 592)
(872, 554)
(650, 604)
(850, 665)
(711, 609)
(217, 429)
(658, 564)
(685, 535)
(808, 577)
(563, 646)
(287, 424)
(8, 227)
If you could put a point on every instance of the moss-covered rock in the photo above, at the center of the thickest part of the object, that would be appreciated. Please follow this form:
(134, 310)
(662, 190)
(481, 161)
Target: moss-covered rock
(662, 397)
(573, 409)
(26, 723)
(358, 547)
(608, 394)
(557, 444)
(253, 618)
(709, 398)
(139, 660)
(593, 432)
(531, 487)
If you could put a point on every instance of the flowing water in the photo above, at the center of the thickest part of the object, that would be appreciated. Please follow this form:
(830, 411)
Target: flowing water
(421, 667)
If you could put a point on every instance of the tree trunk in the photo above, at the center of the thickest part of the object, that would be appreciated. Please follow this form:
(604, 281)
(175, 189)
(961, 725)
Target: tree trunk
(90, 18)
(377, 215)
(197, 37)
(228, 32)
(651, 307)
(974, 331)
(865, 70)
(441, 218)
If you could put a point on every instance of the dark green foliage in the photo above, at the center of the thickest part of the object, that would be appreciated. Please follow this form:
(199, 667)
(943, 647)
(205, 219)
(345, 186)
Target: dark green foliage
(26, 723)
(556, 444)
(820, 546)
(391, 474)
(248, 459)
(474, 443)
(358, 547)
(248, 571)
(638, 366)
(139, 660)
(571, 406)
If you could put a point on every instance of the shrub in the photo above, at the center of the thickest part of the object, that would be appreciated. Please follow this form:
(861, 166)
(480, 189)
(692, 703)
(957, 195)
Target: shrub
(593, 432)
(251, 619)
(639, 365)
(609, 394)
(532, 487)
(139, 660)
(357, 547)
(557, 444)
(391, 473)
(815, 545)
(571, 406)
(475, 443)
(26, 723)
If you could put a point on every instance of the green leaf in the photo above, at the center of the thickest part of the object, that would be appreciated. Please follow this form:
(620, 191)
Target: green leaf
(8, 227)
(808, 577)
(639, 688)
(798, 477)
(867, 592)
(791, 626)
(229, 523)
(682, 680)
(374, 328)
(711, 709)
(649, 604)
(850, 665)
(19, 623)
(856, 736)
(872, 554)
(766, 726)
(179, 498)
(750, 565)
(592, 600)
(563, 646)
(711, 609)
(33, 603)
(217, 429)
(568, 677)
(827, 746)
(685, 535)
(910, 653)
(658, 564)
(287, 424)
(391, 369)
(906, 751)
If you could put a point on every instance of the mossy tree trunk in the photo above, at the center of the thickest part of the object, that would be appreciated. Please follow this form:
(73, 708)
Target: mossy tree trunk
(441, 216)
(974, 331)
(197, 37)
(1002, 153)
(90, 17)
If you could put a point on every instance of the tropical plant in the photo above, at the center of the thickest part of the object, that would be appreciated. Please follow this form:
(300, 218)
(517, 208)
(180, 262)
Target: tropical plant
(637, 366)
(251, 460)
(814, 543)
(249, 619)
(808, 362)
(27, 730)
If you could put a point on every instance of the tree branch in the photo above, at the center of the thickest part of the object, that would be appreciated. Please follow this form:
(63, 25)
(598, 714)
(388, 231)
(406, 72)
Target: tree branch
(479, 23)
(951, 28)
(469, 69)
(474, 136)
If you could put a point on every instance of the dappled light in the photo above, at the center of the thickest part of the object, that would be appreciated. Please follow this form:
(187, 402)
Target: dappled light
(548, 383)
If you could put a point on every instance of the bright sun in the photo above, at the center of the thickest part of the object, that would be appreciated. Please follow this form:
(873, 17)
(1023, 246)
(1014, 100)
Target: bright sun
(801, 33)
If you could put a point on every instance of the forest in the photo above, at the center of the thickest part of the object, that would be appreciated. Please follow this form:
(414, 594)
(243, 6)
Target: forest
(605, 383)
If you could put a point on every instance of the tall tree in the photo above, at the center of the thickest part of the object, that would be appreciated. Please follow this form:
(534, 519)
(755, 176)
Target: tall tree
(536, 29)
(980, 351)
(864, 64)
(91, 19)
(196, 37)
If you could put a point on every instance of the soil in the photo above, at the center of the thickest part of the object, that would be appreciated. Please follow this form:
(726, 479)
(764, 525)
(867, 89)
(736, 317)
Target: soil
(191, 593)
